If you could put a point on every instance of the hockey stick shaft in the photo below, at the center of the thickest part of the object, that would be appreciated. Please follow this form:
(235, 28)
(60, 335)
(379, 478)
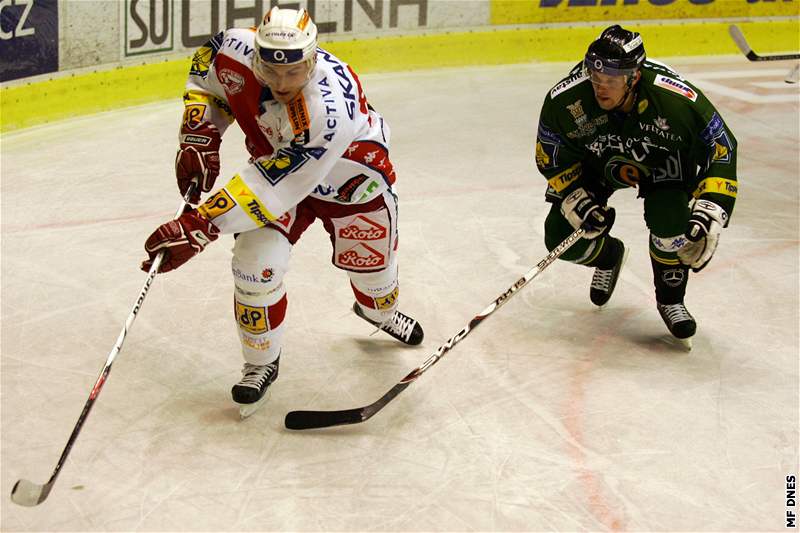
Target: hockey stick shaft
(30, 494)
(321, 419)
(741, 42)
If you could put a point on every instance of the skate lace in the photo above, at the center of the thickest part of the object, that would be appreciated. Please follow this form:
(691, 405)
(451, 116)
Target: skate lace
(400, 324)
(675, 313)
(601, 280)
(256, 375)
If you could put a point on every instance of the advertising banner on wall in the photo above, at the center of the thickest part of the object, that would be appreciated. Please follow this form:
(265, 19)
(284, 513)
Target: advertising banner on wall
(155, 26)
(28, 38)
(546, 11)
(149, 26)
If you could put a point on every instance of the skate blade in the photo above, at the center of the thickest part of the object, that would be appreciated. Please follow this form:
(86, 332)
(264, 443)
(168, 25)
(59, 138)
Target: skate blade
(684, 344)
(248, 409)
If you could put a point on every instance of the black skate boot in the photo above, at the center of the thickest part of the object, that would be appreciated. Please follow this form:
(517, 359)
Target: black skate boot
(678, 320)
(670, 282)
(250, 392)
(606, 274)
(401, 327)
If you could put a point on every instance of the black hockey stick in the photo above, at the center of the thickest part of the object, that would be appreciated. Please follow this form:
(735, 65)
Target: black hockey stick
(28, 493)
(741, 42)
(322, 419)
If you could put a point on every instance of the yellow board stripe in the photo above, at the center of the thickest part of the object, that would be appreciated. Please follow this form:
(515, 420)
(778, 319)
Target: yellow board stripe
(717, 186)
(248, 201)
(532, 12)
(28, 104)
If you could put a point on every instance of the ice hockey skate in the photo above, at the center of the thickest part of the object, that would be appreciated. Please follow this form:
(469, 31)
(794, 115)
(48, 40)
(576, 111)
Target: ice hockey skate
(605, 280)
(679, 322)
(401, 327)
(251, 392)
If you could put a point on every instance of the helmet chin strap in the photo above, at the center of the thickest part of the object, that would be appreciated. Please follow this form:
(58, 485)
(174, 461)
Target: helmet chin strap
(628, 93)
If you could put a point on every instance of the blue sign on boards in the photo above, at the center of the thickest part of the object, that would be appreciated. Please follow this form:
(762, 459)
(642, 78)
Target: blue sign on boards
(28, 38)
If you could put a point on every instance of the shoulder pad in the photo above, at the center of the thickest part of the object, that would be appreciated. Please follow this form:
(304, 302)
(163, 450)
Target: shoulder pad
(239, 43)
(661, 68)
(567, 83)
(676, 86)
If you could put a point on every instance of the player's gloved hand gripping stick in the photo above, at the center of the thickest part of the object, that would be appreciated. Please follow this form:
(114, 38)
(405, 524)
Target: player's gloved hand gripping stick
(28, 493)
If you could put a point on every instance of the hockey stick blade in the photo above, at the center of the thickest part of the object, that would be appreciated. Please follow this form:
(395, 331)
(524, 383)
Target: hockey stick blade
(324, 419)
(741, 42)
(28, 493)
(31, 494)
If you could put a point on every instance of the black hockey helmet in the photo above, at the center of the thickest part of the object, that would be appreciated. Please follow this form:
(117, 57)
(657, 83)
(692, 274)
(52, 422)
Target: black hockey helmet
(617, 52)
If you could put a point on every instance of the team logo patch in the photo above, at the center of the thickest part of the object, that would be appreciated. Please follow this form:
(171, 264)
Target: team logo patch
(673, 277)
(361, 256)
(346, 191)
(713, 129)
(199, 140)
(371, 155)
(248, 201)
(217, 205)
(566, 84)
(362, 228)
(545, 134)
(561, 181)
(721, 152)
(251, 319)
(669, 244)
(715, 136)
(576, 110)
(622, 172)
(202, 59)
(286, 161)
(661, 123)
(363, 241)
(386, 302)
(676, 87)
(546, 155)
(717, 185)
(233, 81)
(298, 114)
(261, 345)
(193, 115)
(284, 220)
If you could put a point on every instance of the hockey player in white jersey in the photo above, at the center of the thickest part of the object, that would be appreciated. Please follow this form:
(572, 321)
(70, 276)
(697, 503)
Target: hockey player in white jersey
(319, 151)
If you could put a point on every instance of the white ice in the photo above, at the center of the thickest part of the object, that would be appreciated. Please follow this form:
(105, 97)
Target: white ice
(552, 416)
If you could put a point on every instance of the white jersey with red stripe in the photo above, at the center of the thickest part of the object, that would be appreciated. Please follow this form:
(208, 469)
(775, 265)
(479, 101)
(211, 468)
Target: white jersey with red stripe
(326, 143)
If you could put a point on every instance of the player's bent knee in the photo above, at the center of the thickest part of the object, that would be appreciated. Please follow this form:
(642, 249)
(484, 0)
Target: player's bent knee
(260, 261)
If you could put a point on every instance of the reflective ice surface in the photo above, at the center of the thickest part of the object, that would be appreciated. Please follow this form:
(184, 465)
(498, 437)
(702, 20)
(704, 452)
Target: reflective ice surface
(553, 415)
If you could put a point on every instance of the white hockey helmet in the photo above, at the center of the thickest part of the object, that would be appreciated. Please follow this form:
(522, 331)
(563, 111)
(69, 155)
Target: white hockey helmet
(286, 37)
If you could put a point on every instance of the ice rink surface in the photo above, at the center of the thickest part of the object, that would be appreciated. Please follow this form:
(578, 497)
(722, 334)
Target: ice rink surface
(552, 416)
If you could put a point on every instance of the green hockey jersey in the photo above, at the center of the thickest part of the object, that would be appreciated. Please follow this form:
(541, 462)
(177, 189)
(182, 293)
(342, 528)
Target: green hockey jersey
(672, 138)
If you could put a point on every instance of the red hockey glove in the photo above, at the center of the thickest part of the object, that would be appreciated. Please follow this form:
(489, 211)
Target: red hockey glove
(180, 239)
(198, 158)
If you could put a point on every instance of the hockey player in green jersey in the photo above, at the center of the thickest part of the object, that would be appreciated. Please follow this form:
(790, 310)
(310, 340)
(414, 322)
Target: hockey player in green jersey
(620, 121)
